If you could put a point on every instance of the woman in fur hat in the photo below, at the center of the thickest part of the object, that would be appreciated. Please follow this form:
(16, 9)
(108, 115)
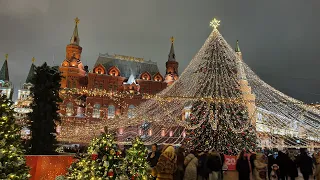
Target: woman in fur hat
(260, 170)
(167, 164)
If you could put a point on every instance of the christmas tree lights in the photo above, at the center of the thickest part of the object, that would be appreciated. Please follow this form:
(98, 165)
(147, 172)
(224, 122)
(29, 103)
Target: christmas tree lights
(102, 160)
(135, 164)
(211, 86)
(12, 161)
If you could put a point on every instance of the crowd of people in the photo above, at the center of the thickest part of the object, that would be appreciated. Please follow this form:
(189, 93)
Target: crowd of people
(177, 164)
(278, 165)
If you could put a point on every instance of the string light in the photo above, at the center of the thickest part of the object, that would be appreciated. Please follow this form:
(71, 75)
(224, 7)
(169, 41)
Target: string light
(168, 107)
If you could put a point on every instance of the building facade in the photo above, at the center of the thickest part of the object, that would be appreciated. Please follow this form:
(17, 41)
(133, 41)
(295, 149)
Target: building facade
(22, 106)
(115, 86)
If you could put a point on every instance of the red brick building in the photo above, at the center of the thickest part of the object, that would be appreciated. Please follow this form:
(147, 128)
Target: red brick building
(113, 87)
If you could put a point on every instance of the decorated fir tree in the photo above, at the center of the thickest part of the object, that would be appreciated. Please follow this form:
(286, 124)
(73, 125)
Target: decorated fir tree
(209, 99)
(102, 160)
(12, 161)
(220, 120)
(135, 164)
(44, 115)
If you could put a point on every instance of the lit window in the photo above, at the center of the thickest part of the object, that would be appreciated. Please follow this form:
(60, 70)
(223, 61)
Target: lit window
(187, 114)
(74, 84)
(68, 84)
(69, 109)
(58, 129)
(130, 111)
(96, 111)
(111, 111)
(79, 112)
(260, 116)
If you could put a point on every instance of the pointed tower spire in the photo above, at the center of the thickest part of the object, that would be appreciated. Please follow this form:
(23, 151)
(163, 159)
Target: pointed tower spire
(4, 72)
(75, 36)
(172, 55)
(171, 65)
(238, 51)
(31, 71)
(237, 47)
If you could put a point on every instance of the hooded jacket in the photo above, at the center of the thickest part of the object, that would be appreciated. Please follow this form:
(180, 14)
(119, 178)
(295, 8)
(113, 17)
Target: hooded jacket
(191, 163)
(260, 170)
(167, 164)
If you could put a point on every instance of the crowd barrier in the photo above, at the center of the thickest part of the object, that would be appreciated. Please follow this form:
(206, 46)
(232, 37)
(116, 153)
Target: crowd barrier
(48, 167)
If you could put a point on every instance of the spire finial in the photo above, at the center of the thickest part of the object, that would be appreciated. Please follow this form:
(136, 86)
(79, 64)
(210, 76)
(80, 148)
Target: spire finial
(237, 47)
(215, 23)
(77, 20)
(172, 39)
(7, 55)
(75, 36)
(33, 60)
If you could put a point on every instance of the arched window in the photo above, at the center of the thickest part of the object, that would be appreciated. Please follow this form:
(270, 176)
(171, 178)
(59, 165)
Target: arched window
(113, 73)
(74, 84)
(68, 84)
(130, 111)
(96, 111)
(259, 116)
(80, 111)
(69, 109)
(187, 112)
(111, 111)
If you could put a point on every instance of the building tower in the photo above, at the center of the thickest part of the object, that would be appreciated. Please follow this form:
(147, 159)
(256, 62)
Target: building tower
(171, 66)
(24, 92)
(237, 49)
(72, 68)
(24, 100)
(248, 96)
(6, 87)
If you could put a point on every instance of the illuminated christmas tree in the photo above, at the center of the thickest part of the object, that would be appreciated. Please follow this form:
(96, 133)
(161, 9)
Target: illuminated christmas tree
(102, 160)
(12, 161)
(135, 164)
(211, 99)
(222, 122)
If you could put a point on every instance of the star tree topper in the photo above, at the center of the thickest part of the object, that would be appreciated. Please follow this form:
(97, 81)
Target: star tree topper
(215, 23)
(77, 20)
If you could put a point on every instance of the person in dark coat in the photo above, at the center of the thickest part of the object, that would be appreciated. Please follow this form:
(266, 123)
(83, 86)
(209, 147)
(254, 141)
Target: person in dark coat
(153, 156)
(222, 163)
(214, 165)
(282, 163)
(178, 175)
(292, 166)
(243, 166)
(203, 170)
(272, 159)
(305, 163)
(252, 158)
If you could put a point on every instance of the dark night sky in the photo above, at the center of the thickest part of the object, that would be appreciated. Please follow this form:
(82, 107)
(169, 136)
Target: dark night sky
(280, 40)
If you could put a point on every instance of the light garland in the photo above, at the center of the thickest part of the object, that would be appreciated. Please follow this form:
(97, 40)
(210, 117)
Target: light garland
(127, 95)
(218, 88)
